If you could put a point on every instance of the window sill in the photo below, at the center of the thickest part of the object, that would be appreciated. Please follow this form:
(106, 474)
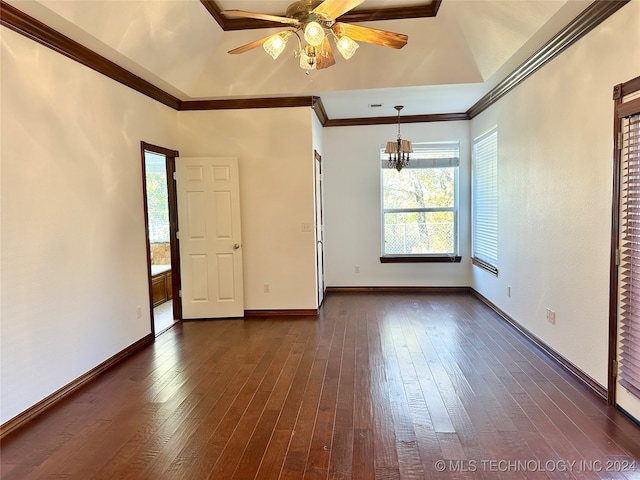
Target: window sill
(420, 259)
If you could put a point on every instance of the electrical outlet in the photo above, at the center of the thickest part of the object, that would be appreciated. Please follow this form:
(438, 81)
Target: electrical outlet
(508, 291)
(551, 316)
(356, 269)
(267, 288)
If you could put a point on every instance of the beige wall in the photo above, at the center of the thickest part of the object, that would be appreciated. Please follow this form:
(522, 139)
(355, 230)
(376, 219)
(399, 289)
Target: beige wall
(555, 190)
(275, 158)
(352, 207)
(74, 263)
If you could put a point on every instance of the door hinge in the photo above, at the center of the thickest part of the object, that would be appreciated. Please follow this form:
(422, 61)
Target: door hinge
(178, 235)
(180, 293)
(620, 140)
(615, 368)
(175, 175)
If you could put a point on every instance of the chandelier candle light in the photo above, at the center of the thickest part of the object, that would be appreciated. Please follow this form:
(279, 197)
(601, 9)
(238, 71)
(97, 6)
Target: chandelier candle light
(400, 149)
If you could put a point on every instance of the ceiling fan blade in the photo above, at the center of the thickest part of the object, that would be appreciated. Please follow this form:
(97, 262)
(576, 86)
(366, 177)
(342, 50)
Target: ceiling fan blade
(335, 8)
(249, 46)
(325, 58)
(261, 16)
(371, 35)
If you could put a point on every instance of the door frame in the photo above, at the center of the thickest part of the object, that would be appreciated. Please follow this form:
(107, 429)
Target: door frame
(619, 92)
(319, 222)
(172, 200)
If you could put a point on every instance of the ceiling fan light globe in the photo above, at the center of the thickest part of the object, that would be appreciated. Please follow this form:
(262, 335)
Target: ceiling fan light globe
(275, 44)
(346, 46)
(314, 34)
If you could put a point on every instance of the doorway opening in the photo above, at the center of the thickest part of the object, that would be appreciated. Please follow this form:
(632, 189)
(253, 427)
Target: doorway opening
(160, 207)
(319, 221)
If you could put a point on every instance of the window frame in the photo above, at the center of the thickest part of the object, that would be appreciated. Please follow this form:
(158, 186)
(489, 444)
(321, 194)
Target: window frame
(626, 97)
(484, 262)
(453, 257)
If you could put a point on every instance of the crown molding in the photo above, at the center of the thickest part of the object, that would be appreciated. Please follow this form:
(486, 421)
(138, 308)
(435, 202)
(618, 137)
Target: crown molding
(321, 113)
(270, 102)
(590, 18)
(436, 117)
(228, 24)
(240, 103)
(429, 9)
(23, 24)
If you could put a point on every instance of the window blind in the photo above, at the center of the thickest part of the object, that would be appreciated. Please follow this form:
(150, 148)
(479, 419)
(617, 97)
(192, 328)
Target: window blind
(485, 201)
(629, 272)
(429, 155)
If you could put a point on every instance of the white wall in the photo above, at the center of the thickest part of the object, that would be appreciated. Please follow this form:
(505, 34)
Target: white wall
(74, 264)
(275, 157)
(352, 207)
(555, 190)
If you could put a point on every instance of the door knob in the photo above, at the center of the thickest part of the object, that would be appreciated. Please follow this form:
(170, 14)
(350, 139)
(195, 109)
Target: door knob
(236, 246)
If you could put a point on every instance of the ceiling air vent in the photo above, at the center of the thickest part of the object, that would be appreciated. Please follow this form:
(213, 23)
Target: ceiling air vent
(375, 105)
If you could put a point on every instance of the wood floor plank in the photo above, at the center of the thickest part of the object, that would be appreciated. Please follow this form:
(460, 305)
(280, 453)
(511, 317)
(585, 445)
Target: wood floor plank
(341, 456)
(273, 458)
(254, 423)
(376, 386)
(386, 455)
(321, 440)
(295, 462)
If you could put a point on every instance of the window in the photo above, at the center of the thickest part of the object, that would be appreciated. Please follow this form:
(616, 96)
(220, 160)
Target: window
(157, 195)
(484, 195)
(629, 245)
(420, 206)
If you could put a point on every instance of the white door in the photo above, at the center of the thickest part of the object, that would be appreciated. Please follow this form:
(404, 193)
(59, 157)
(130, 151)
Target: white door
(209, 237)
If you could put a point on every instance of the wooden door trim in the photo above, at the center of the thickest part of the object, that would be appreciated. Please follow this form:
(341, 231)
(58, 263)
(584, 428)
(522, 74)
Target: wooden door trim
(170, 156)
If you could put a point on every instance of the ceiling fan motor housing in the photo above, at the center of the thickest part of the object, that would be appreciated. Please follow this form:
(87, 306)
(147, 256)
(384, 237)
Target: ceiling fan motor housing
(301, 10)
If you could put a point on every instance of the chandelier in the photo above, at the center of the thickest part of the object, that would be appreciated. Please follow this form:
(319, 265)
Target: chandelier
(400, 149)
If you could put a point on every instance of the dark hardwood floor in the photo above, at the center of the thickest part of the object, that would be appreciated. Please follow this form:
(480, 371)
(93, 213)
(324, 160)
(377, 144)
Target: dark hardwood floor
(383, 386)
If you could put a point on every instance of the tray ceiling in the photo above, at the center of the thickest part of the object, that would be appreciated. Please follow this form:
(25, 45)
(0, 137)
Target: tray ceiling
(450, 62)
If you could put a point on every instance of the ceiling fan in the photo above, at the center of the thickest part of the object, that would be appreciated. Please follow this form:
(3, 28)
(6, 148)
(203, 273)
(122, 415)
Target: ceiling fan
(312, 21)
